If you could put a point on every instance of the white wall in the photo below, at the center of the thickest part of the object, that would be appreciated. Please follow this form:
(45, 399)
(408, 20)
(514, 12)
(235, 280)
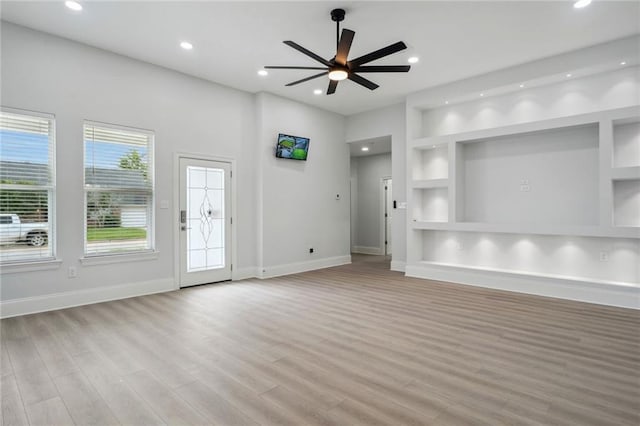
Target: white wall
(575, 96)
(370, 170)
(388, 121)
(76, 82)
(298, 205)
(283, 207)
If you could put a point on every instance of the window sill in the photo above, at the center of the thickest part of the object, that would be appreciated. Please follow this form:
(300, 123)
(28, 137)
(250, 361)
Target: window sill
(39, 265)
(107, 259)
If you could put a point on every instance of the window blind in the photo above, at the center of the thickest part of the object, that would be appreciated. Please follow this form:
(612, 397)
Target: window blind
(118, 180)
(27, 187)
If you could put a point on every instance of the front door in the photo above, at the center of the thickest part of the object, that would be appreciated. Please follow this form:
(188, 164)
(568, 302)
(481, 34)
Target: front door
(205, 221)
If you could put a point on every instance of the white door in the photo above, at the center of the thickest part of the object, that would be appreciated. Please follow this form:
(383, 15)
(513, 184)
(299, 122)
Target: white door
(388, 209)
(205, 221)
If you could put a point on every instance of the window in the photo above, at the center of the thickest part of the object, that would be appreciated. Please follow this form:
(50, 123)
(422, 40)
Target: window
(118, 185)
(27, 186)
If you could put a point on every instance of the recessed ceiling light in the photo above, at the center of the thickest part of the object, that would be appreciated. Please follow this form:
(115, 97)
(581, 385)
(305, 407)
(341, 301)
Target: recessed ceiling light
(317, 92)
(522, 86)
(581, 3)
(186, 45)
(413, 60)
(446, 102)
(481, 94)
(433, 146)
(568, 75)
(623, 63)
(263, 73)
(73, 5)
(365, 148)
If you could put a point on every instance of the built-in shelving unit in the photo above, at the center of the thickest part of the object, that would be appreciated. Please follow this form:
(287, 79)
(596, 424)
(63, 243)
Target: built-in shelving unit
(625, 174)
(574, 178)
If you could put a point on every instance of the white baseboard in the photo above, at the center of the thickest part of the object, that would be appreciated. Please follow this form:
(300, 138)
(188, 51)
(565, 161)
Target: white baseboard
(50, 302)
(620, 295)
(244, 273)
(294, 268)
(367, 250)
(398, 265)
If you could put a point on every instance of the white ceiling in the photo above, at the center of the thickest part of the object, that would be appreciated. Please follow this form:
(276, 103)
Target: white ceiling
(232, 40)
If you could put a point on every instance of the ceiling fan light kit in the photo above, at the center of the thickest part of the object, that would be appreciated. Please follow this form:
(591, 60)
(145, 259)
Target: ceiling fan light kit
(339, 67)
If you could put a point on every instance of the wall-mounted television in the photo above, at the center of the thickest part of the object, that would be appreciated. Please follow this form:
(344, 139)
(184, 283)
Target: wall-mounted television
(292, 147)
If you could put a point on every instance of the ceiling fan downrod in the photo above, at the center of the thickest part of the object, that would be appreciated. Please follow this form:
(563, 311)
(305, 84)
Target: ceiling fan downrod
(337, 15)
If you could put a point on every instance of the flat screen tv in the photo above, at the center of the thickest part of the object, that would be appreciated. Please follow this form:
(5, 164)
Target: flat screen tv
(292, 147)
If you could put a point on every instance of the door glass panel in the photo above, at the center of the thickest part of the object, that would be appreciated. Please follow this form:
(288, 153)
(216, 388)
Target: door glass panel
(205, 218)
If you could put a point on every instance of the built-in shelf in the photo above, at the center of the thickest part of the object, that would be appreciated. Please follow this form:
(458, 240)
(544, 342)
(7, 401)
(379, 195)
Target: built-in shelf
(531, 229)
(529, 273)
(555, 203)
(430, 183)
(626, 142)
(625, 173)
(626, 203)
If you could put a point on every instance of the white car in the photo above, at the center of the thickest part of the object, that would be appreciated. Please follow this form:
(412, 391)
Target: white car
(13, 231)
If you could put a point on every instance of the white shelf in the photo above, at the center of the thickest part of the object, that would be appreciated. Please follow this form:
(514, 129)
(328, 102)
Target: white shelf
(430, 183)
(530, 229)
(625, 173)
(530, 127)
(531, 274)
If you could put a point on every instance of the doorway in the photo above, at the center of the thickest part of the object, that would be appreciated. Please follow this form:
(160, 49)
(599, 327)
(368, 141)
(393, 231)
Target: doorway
(205, 221)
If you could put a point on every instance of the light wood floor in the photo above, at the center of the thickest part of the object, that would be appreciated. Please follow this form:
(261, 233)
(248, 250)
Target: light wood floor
(353, 345)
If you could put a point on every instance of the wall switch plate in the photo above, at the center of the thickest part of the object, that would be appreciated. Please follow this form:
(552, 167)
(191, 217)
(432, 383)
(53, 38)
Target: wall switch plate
(73, 272)
(604, 256)
(459, 245)
(525, 188)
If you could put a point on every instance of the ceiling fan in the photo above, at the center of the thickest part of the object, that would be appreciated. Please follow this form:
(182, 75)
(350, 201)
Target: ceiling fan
(339, 68)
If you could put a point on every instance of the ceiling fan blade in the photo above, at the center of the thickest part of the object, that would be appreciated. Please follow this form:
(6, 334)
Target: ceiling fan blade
(278, 67)
(380, 53)
(332, 87)
(344, 46)
(362, 81)
(383, 68)
(307, 79)
(307, 52)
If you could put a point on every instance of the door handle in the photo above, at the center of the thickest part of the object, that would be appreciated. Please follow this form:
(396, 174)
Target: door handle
(184, 228)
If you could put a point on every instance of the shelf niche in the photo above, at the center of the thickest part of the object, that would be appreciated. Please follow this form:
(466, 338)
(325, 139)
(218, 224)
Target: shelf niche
(431, 163)
(626, 143)
(543, 177)
(626, 203)
(431, 205)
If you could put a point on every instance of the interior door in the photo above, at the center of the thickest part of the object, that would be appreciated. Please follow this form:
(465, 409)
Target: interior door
(388, 210)
(204, 221)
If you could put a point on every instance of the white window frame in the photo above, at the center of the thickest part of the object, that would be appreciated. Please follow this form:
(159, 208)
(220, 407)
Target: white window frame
(49, 262)
(130, 255)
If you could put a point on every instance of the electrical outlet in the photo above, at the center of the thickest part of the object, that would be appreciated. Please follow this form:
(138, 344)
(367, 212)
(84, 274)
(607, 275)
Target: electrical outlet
(311, 250)
(525, 188)
(604, 256)
(73, 272)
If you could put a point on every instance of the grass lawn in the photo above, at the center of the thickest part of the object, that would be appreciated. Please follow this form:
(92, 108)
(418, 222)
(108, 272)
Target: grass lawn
(102, 234)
